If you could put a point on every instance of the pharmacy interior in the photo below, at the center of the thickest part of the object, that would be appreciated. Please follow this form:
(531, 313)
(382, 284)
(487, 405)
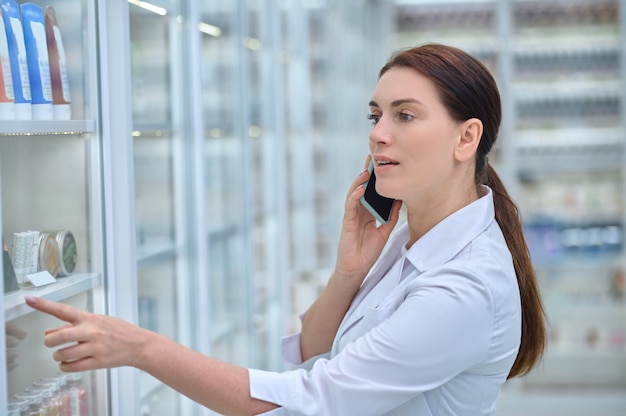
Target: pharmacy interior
(183, 164)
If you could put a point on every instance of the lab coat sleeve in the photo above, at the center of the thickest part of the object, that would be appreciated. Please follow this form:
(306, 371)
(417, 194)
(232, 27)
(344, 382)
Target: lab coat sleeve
(442, 328)
(291, 351)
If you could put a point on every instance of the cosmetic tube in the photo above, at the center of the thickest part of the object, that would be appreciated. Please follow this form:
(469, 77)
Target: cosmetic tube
(58, 68)
(7, 96)
(38, 62)
(19, 62)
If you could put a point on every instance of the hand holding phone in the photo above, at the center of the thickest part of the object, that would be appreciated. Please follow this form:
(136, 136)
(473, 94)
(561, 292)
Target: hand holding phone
(379, 206)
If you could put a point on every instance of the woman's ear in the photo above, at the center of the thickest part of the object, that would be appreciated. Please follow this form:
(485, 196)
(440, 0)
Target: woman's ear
(471, 131)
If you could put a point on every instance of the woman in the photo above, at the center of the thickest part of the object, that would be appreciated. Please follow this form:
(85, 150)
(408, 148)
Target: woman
(431, 320)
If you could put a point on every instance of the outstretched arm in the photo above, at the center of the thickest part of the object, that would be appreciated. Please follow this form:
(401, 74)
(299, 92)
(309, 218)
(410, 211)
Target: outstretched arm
(89, 341)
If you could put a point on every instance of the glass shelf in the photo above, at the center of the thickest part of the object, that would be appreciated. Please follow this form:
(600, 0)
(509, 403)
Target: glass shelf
(568, 89)
(560, 160)
(149, 253)
(38, 127)
(65, 287)
(152, 130)
(571, 138)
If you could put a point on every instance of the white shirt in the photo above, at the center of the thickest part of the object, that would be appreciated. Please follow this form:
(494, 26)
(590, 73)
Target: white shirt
(439, 341)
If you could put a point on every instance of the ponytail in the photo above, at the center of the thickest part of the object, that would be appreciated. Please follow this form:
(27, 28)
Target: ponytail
(533, 339)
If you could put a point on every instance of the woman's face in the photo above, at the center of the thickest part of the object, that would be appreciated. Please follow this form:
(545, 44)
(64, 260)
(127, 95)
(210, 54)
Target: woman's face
(413, 137)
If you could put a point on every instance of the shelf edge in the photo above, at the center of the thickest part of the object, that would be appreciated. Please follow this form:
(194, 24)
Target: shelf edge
(65, 287)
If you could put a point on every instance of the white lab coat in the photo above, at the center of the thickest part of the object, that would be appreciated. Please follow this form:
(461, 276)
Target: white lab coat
(433, 331)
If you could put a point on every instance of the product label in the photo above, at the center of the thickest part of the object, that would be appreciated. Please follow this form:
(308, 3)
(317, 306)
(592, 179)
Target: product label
(16, 25)
(6, 63)
(39, 34)
(19, 254)
(25, 254)
(62, 64)
(33, 256)
(41, 278)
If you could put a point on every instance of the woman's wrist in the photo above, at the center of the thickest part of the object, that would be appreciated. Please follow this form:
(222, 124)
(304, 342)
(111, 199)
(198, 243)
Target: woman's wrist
(345, 284)
(146, 348)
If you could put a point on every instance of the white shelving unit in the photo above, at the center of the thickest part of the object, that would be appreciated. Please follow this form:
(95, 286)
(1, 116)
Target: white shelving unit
(562, 153)
(61, 175)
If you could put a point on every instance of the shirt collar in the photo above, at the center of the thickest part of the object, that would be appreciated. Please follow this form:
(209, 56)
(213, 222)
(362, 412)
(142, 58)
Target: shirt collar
(452, 234)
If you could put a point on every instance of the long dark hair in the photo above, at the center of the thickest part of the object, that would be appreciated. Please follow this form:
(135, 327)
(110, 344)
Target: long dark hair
(468, 90)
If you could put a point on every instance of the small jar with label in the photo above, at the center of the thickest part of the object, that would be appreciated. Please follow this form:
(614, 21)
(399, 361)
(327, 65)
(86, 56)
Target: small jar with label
(62, 396)
(67, 251)
(79, 399)
(50, 401)
(49, 255)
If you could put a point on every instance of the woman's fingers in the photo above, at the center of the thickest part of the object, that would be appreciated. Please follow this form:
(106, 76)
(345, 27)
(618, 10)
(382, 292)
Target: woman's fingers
(63, 312)
(89, 341)
(84, 364)
(52, 330)
(360, 179)
(367, 161)
(72, 332)
(72, 353)
(66, 335)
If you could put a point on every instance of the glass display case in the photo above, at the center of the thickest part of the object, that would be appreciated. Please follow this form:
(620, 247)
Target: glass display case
(226, 54)
(159, 147)
(67, 177)
(51, 200)
(280, 147)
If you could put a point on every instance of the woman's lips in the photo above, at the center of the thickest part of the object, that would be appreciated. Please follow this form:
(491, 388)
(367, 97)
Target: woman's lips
(384, 165)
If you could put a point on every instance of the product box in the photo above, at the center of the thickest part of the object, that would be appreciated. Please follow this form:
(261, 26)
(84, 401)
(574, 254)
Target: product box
(10, 280)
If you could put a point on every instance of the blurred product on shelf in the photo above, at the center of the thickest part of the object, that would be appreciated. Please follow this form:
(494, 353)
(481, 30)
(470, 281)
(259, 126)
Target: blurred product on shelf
(25, 255)
(7, 96)
(38, 61)
(33, 71)
(67, 250)
(54, 252)
(58, 68)
(61, 395)
(10, 280)
(49, 255)
(553, 242)
(617, 284)
(19, 62)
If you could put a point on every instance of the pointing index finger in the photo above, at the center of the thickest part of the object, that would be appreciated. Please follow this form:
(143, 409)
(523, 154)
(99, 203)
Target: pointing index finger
(64, 312)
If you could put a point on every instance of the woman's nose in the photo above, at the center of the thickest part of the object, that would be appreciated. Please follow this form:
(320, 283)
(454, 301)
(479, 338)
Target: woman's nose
(380, 132)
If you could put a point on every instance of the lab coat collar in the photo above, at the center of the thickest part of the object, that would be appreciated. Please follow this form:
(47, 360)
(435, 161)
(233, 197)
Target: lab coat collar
(452, 234)
(437, 246)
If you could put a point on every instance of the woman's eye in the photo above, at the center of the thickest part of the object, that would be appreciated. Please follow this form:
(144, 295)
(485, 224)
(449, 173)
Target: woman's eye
(405, 117)
(373, 118)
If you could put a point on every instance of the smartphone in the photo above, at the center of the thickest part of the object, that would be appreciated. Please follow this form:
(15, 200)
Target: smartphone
(379, 206)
